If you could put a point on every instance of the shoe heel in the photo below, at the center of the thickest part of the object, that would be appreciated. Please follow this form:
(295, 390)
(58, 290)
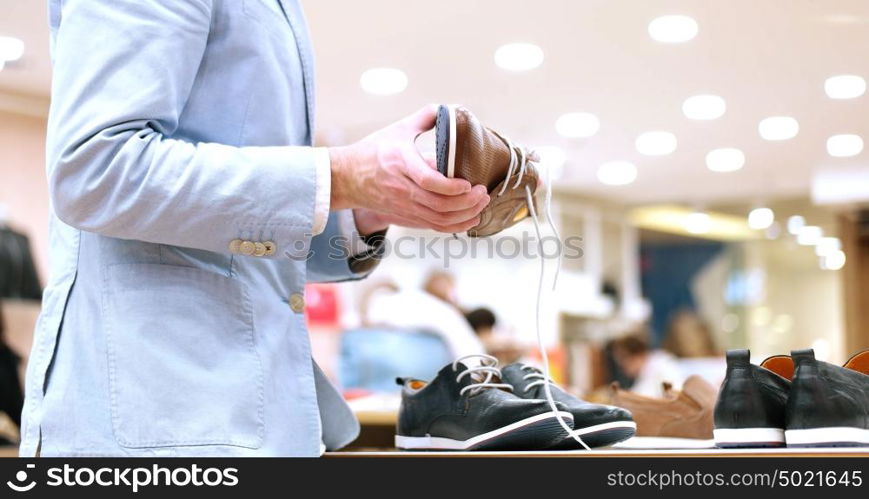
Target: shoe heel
(727, 438)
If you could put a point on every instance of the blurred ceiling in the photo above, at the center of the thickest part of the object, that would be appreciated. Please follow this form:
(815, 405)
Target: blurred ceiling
(765, 57)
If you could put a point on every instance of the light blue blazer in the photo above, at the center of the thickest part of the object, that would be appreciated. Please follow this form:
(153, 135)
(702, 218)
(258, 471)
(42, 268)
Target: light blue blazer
(177, 127)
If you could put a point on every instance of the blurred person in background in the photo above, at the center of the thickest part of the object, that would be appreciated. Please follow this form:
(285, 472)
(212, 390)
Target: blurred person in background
(18, 278)
(502, 346)
(442, 285)
(421, 310)
(689, 336)
(482, 321)
(11, 396)
(649, 369)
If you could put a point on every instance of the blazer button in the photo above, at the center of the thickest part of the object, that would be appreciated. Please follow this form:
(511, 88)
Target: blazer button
(235, 246)
(247, 248)
(259, 249)
(271, 248)
(297, 303)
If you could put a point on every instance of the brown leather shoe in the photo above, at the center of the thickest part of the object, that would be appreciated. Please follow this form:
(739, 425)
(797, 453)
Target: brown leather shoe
(468, 150)
(682, 419)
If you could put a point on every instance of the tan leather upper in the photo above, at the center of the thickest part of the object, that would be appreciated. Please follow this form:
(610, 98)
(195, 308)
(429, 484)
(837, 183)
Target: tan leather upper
(483, 158)
(684, 414)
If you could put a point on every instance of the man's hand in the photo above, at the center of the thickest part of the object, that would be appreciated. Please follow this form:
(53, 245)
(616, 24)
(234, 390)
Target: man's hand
(385, 180)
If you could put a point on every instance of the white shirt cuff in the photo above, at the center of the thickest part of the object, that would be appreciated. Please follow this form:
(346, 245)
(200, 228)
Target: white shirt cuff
(347, 225)
(323, 197)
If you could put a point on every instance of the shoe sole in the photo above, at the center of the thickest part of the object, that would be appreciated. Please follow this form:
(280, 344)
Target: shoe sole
(601, 435)
(665, 443)
(534, 433)
(828, 437)
(727, 438)
(445, 137)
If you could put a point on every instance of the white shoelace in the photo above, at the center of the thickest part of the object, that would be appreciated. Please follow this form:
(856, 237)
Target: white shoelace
(529, 198)
(481, 376)
(521, 161)
(536, 375)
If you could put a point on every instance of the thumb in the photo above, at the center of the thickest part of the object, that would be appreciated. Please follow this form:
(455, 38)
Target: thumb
(422, 120)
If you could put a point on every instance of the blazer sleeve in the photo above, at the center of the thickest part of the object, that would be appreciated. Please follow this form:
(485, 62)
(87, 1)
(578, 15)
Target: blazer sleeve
(123, 71)
(340, 254)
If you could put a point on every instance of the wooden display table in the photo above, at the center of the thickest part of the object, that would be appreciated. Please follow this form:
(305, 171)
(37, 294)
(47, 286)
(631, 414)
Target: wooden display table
(705, 453)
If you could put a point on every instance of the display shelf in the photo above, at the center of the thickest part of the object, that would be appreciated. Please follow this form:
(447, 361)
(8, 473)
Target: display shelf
(582, 454)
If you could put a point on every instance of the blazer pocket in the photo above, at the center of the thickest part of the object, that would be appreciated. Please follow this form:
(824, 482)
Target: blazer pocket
(183, 365)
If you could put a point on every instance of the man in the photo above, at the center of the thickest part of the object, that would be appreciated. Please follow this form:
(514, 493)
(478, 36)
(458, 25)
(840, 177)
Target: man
(189, 210)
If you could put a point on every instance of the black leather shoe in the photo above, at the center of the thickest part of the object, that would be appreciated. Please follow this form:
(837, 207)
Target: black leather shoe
(750, 411)
(466, 408)
(829, 405)
(597, 425)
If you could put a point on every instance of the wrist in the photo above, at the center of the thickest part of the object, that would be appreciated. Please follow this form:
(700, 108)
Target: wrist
(369, 222)
(340, 159)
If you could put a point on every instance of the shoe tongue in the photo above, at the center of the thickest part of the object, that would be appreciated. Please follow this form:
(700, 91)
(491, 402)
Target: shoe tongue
(464, 365)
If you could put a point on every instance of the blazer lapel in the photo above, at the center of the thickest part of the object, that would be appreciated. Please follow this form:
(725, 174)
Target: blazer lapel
(298, 25)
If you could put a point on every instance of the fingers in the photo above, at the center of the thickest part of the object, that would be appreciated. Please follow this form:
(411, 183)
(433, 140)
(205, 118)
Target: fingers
(456, 228)
(431, 160)
(422, 120)
(445, 204)
(452, 217)
(430, 179)
(417, 223)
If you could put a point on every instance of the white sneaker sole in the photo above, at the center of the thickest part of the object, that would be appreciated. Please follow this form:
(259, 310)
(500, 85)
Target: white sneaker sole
(749, 437)
(441, 443)
(833, 436)
(629, 425)
(665, 443)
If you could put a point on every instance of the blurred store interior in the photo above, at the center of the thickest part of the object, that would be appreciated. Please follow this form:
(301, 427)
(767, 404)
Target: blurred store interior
(708, 154)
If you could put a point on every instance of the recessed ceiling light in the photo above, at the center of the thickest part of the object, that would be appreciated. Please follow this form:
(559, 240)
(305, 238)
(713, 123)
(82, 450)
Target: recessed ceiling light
(828, 245)
(698, 222)
(11, 49)
(657, 143)
(795, 223)
(518, 56)
(778, 128)
(834, 261)
(617, 173)
(726, 159)
(552, 159)
(761, 218)
(704, 107)
(845, 86)
(383, 81)
(577, 125)
(809, 235)
(673, 29)
(844, 146)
